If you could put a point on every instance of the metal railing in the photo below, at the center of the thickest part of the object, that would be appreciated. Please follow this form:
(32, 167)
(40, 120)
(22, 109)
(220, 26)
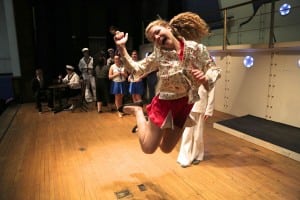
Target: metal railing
(242, 24)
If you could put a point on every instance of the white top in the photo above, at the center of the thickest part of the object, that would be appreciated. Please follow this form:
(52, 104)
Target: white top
(86, 66)
(206, 103)
(72, 80)
(117, 69)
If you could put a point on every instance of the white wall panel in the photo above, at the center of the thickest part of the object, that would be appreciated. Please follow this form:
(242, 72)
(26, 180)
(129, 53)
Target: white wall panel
(5, 65)
(286, 89)
(220, 94)
(270, 89)
(9, 57)
(248, 86)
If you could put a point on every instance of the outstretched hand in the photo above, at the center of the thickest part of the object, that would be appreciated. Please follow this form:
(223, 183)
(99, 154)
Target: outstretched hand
(120, 38)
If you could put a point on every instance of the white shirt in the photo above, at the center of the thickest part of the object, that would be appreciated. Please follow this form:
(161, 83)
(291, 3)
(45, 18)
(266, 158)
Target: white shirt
(72, 80)
(206, 103)
(86, 67)
(117, 69)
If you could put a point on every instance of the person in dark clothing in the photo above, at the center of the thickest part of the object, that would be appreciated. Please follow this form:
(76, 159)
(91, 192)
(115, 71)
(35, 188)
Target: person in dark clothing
(102, 81)
(40, 90)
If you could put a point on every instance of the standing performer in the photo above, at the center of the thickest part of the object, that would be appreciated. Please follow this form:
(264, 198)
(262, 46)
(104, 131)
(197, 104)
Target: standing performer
(192, 147)
(39, 85)
(118, 75)
(102, 81)
(86, 68)
(183, 66)
(136, 86)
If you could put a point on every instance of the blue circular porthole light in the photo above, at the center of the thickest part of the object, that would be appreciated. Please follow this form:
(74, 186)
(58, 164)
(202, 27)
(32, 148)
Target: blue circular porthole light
(285, 9)
(248, 61)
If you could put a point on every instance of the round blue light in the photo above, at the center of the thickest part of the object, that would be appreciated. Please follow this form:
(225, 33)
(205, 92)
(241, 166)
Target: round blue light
(285, 9)
(248, 61)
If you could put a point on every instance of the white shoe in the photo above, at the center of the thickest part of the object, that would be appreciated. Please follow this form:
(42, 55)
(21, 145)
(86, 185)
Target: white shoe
(71, 107)
(120, 114)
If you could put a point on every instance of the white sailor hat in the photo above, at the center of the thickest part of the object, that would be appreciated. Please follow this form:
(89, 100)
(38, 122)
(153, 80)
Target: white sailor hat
(110, 50)
(69, 67)
(84, 49)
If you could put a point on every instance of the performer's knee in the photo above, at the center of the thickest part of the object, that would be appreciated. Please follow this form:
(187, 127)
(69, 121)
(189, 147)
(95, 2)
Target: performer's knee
(166, 149)
(149, 150)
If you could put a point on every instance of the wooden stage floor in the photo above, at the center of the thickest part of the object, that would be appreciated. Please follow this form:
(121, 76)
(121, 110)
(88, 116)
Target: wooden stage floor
(86, 156)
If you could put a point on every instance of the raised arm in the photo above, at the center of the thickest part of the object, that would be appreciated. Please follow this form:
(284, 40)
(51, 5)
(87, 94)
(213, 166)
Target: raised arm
(121, 39)
(141, 67)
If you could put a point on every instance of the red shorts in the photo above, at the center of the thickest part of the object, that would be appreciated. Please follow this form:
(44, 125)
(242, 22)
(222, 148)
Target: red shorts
(179, 109)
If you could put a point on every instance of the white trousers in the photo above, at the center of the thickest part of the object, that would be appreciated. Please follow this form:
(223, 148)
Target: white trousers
(192, 147)
(90, 84)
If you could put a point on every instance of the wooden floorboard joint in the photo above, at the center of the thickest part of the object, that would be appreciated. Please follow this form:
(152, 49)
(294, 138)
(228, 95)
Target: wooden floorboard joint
(123, 193)
(7, 118)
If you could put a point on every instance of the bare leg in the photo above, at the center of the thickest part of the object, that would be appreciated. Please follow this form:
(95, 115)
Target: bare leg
(99, 106)
(136, 98)
(110, 106)
(118, 102)
(170, 139)
(149, 134)
(133, 98)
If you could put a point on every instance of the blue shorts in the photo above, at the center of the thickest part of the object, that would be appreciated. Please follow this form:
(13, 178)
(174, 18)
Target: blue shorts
(118, 88)
(136, 88)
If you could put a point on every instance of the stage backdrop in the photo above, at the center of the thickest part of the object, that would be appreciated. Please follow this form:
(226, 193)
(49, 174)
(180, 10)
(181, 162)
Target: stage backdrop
(269, 89)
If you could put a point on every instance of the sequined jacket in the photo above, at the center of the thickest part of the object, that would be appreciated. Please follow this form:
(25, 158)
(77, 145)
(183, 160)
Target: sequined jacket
(175, 78)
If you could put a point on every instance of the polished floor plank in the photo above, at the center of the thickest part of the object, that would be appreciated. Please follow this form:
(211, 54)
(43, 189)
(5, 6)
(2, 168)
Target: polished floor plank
(86, 155)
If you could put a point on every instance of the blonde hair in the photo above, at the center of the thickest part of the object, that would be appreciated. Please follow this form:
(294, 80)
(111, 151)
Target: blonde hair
(158, 22)
(188, 25)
